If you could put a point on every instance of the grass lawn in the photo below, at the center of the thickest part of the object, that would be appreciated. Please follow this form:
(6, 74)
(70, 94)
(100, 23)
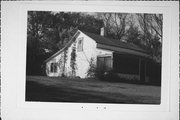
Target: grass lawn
(41, 88)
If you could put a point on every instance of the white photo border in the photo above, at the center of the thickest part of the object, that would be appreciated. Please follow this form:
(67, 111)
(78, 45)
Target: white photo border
(14, 38)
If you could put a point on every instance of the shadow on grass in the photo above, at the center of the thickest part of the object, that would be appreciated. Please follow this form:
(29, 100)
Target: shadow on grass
(39, 92)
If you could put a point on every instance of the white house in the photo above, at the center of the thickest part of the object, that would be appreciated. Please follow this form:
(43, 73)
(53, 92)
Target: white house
(107, 54)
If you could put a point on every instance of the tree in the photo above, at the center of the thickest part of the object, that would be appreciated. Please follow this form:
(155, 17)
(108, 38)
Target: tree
(89, 23)
(156, 23)
(48, 31)
(36, 31)
(115, 24)
(68, 21)
(151, 26)
(133, 35)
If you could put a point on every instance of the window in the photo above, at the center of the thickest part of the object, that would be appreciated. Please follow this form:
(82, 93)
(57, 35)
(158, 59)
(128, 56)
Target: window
(104, 63)
(80, 44)
(53, 67)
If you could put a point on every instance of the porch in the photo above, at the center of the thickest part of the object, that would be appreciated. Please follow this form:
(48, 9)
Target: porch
(130, 67)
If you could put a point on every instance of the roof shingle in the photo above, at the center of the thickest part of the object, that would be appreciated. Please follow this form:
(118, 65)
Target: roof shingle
(112, 42)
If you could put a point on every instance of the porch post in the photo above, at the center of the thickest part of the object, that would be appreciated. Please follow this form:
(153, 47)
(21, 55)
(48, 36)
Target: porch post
(112, 62)
(142, 70)
(145, 62)
(139, 69)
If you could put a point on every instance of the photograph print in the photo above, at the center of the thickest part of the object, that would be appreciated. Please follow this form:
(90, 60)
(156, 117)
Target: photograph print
(94, 57)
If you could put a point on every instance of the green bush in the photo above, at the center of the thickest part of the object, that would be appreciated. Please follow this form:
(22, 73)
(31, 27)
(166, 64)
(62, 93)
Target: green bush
(92, 71)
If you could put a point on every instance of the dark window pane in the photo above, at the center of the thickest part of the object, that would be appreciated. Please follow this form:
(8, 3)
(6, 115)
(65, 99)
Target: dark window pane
(80, 45)
(104, 63)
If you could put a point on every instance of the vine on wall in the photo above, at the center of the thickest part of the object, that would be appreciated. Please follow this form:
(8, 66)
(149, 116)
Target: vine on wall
(73, 60)
(65, 60)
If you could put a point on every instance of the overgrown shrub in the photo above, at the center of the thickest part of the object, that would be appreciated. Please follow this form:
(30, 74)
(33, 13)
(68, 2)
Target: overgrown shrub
(109, 76)
(92, 71)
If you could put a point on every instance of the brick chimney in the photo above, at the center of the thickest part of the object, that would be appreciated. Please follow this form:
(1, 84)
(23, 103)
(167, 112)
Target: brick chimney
(103, 32)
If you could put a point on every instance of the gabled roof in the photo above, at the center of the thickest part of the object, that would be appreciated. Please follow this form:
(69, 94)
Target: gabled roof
(101, 40)
(66, 46)
(112, 42)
